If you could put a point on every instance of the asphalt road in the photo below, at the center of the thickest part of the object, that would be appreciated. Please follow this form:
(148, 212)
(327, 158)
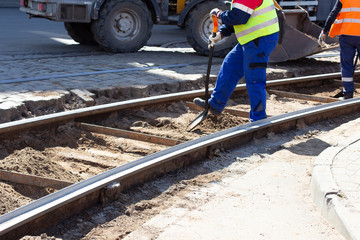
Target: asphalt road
(20, 35)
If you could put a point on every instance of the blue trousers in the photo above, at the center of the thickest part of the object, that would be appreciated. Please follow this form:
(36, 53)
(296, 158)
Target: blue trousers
(348, 46)
(250, 61)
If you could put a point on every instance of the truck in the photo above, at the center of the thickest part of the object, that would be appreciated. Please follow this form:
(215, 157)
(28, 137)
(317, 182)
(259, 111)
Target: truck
(122, 26)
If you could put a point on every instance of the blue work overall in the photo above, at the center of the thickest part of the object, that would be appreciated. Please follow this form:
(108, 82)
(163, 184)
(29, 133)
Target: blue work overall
(249, 60)
(348, 47)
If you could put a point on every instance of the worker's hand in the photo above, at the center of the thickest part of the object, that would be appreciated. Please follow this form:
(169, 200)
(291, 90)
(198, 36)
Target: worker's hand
(214, 39)
(322, 37)
(216, 12)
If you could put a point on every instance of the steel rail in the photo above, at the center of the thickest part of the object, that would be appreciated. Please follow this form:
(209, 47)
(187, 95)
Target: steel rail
(111, 107)
(49, 210)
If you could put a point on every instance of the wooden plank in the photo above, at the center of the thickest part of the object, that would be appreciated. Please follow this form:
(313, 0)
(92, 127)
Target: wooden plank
(239, 113)
(339, 83)
(32, 180)
(85, 96)
(128, 134)
(303, 96)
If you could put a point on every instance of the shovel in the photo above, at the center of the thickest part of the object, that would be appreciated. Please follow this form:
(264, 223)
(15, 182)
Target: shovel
(203, 115)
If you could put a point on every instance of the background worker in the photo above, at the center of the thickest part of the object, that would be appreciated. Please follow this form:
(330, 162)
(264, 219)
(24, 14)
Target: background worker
(344, 21)
(256, 27)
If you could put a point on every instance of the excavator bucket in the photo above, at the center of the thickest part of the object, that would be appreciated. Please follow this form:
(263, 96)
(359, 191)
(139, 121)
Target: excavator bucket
(298, 36)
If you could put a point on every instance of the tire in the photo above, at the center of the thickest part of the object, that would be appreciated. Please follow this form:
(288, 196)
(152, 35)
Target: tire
(123, 26)
(199, 27)
(80, 32)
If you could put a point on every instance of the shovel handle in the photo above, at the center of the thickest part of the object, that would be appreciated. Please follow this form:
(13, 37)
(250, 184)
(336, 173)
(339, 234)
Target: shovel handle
(277, 5)
(215, 29)
(355, 63)
(215, 25)
(203, 115)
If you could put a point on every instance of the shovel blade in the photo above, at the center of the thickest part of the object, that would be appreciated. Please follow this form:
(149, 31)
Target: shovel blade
(197, 120)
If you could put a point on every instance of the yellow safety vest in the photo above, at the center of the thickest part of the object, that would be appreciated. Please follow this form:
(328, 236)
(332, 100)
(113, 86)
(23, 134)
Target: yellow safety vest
(263, 22)
(348, 20)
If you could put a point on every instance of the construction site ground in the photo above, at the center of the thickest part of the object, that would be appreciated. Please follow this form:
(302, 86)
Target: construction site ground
(261, 190)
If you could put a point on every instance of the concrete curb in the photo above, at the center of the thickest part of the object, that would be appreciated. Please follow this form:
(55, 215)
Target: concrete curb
(327, 195)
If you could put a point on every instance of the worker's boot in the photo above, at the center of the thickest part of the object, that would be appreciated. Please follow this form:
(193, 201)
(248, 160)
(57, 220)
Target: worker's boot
(201, 103)
(347, 95)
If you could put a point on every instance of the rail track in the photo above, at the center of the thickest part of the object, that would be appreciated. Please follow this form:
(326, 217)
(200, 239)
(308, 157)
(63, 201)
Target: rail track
(114, 147)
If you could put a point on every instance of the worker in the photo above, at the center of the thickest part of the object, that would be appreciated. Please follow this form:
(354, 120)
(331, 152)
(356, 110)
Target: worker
(256, 27)
(344, 21)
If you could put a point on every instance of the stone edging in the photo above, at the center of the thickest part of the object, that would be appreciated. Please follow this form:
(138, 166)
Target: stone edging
(327, 194)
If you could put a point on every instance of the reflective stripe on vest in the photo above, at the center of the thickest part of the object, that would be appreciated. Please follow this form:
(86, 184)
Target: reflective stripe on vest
(263, 22)
(348, 20)
(242, 7)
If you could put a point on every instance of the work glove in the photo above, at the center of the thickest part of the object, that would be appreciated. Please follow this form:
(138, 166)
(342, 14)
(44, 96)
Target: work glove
(322, 37)
(214, 39)
(216, 12)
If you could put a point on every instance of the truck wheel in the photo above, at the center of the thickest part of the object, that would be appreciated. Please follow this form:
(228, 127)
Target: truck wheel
(80, 32)
(123, 26)
(199, 27)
